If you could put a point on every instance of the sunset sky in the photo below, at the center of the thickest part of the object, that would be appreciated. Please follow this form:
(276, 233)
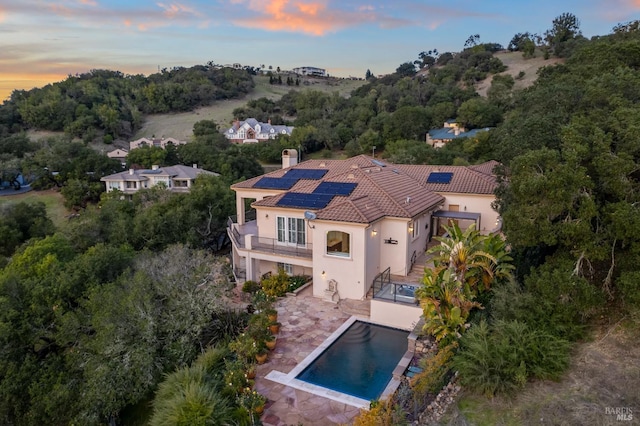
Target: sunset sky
(42, 41)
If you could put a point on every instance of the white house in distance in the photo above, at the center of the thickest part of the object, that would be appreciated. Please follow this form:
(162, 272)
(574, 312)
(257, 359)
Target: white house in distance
(351, 224)
(175, 178)
(157, 142)
(254, 131)
(438, 138)
(310, 71)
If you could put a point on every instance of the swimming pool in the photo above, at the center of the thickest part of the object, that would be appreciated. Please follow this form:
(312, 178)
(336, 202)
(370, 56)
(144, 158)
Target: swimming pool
(359, 362)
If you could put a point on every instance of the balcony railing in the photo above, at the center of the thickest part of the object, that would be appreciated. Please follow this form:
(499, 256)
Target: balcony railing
(384, 289)
(271, 245)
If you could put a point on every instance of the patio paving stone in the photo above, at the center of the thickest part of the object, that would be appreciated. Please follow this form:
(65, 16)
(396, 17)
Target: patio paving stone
(306, 323)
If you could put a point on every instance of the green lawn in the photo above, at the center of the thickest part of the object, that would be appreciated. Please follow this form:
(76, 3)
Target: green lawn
(51, 198)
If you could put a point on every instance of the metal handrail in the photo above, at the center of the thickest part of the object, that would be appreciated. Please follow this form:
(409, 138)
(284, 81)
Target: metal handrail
(272, 245)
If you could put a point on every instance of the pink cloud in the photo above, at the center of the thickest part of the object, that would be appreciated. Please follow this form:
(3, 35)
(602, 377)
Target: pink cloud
(308, 17)
(88, 2)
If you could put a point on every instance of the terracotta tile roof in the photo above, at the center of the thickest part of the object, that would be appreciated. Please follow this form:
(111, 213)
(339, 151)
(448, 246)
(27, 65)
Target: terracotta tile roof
(382, 189)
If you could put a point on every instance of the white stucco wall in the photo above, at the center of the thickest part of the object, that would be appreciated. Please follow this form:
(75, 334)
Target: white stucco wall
(348, 272)
(475, 204)
(394, 256)
(395, 314)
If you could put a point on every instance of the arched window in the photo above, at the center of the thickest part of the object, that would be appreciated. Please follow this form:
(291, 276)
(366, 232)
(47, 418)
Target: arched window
(338, 244)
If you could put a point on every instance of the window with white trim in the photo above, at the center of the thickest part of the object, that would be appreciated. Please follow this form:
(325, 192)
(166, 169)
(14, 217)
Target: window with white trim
(414, 228)
(338, 244)
(291, 230)
(287, 267)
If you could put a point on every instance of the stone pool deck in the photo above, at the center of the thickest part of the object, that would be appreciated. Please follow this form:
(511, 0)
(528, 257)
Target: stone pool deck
(306, 323)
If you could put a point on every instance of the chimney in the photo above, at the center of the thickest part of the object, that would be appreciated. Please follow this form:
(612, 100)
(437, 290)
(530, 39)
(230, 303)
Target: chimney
(131, 172)
(269, 121)
(154, 167)
(289, 158)
(195, 166)
(456, 131)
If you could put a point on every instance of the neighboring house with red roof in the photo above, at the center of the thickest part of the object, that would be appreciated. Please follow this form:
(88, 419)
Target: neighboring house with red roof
(254, 131)
(346, 222)
(175, 178)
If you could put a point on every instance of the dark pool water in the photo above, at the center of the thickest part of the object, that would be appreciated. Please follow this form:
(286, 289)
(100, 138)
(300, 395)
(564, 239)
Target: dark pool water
(360, 361)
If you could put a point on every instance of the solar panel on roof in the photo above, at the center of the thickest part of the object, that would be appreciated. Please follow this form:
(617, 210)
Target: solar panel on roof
(305, 201)
(378, 163)
(439, 177)
(275, 183)
(335, 188)
(314, 174)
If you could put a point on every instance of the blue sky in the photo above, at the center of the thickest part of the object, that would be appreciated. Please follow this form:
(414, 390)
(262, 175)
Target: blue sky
(42, 41)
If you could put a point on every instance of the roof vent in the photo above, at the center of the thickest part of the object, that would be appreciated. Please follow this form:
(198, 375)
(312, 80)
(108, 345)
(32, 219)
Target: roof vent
(351, 176)
(408, 200)
(367, 170)
(354, 166)
(323, 164)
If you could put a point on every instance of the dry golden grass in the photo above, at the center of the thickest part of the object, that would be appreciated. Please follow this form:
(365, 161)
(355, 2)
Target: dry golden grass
(604, 373)
(515, 64)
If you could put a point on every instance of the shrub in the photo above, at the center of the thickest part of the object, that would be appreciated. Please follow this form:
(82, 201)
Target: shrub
(435, 370)
(250, 287)
(297, 281)
(629, 286)
(224, 326)
(381, 413)
(185, 397)
(553, 300)
(501, 358)
(276, 284)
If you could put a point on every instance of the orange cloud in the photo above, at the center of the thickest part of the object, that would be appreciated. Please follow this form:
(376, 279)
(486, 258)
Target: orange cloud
(89, 2)
(3, 15)
(308, 17)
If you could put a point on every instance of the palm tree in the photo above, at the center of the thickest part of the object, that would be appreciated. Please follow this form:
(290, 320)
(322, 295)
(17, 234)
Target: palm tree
(464, 253)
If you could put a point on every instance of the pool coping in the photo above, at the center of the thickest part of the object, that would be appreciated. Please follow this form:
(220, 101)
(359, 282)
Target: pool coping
(289, 379)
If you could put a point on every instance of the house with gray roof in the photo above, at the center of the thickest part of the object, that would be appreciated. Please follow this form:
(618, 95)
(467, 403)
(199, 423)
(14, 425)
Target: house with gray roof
(438, 138)
(254, 131)
(351, 224)
(174, 178)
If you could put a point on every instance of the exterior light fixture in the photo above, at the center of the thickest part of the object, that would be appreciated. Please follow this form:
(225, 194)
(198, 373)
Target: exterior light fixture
(374, 232)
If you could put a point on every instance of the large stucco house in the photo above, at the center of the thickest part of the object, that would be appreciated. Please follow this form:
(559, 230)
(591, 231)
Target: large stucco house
(175, 178)
(347, 223)
(254, 131)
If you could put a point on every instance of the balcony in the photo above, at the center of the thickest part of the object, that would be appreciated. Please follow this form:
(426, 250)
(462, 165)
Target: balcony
(238, 234)
(271, 245)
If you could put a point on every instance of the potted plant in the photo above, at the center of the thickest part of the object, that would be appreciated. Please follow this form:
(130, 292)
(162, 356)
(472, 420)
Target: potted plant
(274, 327)
(244, 347)
(270, 342)
(252, 401)
(272, 314)
(234, 376)
(261, 355)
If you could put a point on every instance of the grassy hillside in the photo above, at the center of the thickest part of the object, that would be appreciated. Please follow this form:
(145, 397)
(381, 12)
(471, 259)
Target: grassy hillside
(515, 64)
(180, 125)
(52, 199)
